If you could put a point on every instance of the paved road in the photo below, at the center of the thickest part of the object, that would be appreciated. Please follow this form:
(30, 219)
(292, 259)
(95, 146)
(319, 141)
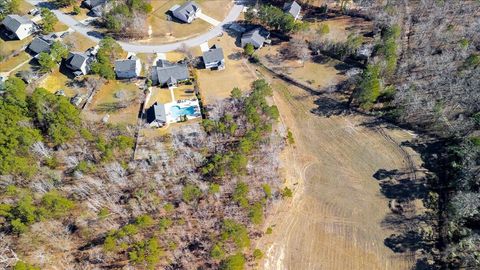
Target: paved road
(90, 32)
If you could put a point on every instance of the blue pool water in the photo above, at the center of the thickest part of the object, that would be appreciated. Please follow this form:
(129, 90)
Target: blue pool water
(177, 111)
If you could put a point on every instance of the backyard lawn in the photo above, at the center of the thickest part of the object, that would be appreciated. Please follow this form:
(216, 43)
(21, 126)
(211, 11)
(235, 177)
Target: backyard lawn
(121, 101)
(14, 62)
(58, 81)
(163, 95)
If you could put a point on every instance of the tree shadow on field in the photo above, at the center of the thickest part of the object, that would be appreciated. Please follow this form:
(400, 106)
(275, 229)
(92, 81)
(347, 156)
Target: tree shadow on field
(414, 229)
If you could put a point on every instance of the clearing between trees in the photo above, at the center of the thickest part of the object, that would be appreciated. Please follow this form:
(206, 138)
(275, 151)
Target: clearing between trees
(336, 219)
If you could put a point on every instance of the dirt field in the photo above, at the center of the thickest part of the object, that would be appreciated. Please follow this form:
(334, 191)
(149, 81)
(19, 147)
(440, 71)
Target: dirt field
(334, 220)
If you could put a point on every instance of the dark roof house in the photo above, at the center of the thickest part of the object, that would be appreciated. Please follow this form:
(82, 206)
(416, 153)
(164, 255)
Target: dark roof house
(21, 27)
(186, 12)
(40, 44)
(169, 74)
(93, 3)
(213, 58)
(253, 37)
(293, 8)
(79, 63)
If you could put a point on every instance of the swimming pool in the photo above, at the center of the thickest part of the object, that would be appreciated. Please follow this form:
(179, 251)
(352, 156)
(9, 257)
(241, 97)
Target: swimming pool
(178, 111)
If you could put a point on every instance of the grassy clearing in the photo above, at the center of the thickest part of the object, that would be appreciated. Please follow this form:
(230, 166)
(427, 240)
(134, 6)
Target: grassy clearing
(320, 223)
(78, 42)
(14, 62)
(341, 27)
(311, 73)
(58, 81)
(117, 99)
(217, 84)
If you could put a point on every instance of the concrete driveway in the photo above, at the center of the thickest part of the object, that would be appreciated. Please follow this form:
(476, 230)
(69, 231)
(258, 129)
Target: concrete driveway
(208, 19)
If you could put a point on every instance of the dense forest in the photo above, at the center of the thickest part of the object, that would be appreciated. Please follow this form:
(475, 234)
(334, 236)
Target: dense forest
(73, 196)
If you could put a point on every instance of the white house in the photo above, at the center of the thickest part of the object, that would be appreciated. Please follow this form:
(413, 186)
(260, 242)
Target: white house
(213, 58)
(21, 27)
(79, 63)
(186, 12)
(293, 9)
(128, 68)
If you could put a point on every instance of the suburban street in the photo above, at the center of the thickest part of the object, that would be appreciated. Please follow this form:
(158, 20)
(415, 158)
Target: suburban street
(90, 33)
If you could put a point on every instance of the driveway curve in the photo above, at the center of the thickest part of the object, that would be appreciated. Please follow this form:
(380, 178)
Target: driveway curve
(90, 33)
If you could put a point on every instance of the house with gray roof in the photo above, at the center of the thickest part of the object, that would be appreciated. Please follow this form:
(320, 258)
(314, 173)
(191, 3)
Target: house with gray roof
(169, 74)
(128, 68)
(79, 63)
(253, 37)
(156, 115)
(40, 44)
(293, 9)
(20, 27)
(96, 7)
(186, 12)
(213, 58)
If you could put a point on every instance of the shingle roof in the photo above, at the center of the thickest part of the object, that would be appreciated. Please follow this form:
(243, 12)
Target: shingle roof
(156, 113)
(94, 3)
(13, 22)
(126, 65)
(253, 37)
(39, 45)
(293, 8)
(185, 11)
(76, 59)
(171, 72)
(215, 54)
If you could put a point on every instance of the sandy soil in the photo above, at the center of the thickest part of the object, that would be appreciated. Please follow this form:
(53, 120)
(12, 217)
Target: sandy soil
(334, 220)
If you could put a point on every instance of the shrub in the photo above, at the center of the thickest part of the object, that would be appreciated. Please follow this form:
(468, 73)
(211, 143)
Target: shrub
(370, 86)
(236, 232)
(240, 194)
(234, 262)
(146, 252)
(287, 193)
(257, 254)
(248, 49)
(290, 138)
(256, 213)
(323, 29)
(269, 230)
(144, 221)
(56, 205)
(214, 188)
(267, 190)
(20, 265)
(191, 193)
(217, 252)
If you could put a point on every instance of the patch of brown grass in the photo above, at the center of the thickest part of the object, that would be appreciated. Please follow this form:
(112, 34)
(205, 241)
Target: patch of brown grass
(217, 84)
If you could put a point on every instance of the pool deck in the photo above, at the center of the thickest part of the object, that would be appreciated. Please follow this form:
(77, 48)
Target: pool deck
(171, 118)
